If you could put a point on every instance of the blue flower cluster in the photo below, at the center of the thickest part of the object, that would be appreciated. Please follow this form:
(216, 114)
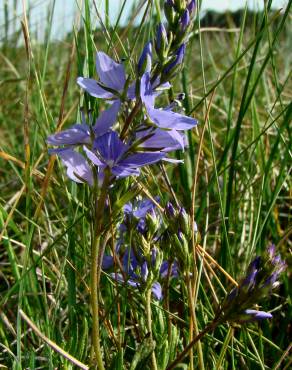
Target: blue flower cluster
(153, 131)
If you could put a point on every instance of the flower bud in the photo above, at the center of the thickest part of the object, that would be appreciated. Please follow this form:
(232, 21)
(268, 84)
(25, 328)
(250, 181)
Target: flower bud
(184, 21)
(262, 278)
(180, 5)
(161, 41)
(182, 247)
(145, 246)
(169, 11)
(184, 221)
(169, 210)
(152, 222)
(145, 61)
(173, 65)
(191, 7)
(156, 261)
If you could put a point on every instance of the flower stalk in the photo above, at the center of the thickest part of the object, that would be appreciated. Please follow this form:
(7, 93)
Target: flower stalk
(96, 261)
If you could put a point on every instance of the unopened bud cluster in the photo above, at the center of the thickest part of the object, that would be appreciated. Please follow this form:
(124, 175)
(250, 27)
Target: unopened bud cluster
(170, 40)
(180, 234)
(261, 279)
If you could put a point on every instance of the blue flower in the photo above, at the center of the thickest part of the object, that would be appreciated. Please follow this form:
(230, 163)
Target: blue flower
(135, 270)
(162, 118)
(112, 78)
(176, 62)
(191, 6)
(185, 20)
(138, 210)
(110, 152)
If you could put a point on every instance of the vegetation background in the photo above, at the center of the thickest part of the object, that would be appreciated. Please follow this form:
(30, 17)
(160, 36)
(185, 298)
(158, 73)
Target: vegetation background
(237, 83)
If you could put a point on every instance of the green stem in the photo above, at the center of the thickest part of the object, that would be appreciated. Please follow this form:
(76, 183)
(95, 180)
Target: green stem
(96, 261)
(95, 303)
(194, 321)
(149, 326)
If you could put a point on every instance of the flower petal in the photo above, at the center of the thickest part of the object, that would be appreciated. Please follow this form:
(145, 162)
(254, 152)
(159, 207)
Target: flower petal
(163, 140)
(120, 171)
(77, 166)
(106, 119)
(111, 74)
(146, 92)
(93, 157)
(91, 86)
(258, 315)
(142, 159)
(76, 134)
(171, 120)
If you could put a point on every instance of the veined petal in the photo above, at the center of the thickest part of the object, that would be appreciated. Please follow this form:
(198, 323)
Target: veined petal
(171, 120)
(93, 157)
(110, 146)
(91, 86)
(106, 119)
(111, 74)
(142, 159)
(163, 140)
(76, 134)
(121, 171)
(77, 166)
